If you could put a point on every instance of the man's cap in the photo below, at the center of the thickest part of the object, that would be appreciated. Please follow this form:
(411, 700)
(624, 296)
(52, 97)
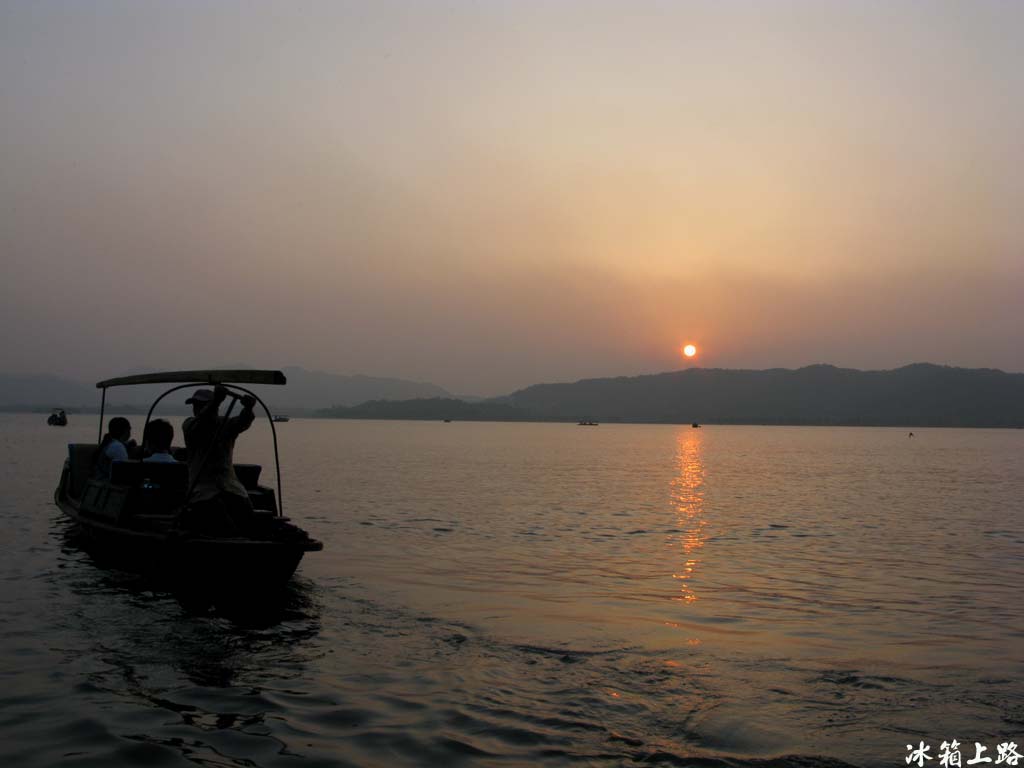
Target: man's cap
(200, 396)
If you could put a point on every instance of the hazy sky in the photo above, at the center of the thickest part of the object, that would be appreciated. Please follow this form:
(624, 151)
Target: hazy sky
(487, 195)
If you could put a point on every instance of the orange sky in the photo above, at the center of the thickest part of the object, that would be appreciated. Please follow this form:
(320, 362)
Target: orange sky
(488, 195)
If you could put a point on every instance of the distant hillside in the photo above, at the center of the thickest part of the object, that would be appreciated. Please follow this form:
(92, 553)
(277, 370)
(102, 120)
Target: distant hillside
(44, 392)
(429, 408)
(916, 395)
(305, 392)
(316, 389)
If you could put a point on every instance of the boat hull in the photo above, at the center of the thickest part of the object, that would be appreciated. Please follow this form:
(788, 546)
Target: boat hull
(214, 568)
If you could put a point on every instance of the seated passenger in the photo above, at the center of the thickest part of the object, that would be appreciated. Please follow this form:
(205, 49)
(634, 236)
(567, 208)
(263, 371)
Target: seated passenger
(159, 436)
(114, 447)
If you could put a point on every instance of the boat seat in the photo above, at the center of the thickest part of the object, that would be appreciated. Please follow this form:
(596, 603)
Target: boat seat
(263, 500)
(153, 488)
(131, 473)
(248, 475)
(80, 461)
(134, 473)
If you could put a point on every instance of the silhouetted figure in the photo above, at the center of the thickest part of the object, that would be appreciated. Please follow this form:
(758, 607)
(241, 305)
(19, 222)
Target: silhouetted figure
(157, 442)
(58, 418)
(114, 447)
(219, 502)
(911, 434)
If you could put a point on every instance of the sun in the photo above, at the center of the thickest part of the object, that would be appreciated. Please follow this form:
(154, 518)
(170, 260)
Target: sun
(689, 350)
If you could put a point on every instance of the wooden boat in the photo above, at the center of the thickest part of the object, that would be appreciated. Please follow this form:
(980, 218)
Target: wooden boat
(57, 418)
(134, 518)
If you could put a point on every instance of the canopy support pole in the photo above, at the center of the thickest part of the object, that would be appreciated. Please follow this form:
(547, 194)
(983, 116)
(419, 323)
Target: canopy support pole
(103, 407)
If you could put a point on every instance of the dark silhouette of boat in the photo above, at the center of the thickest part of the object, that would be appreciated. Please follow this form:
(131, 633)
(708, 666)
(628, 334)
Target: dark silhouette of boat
(695, 425)
(280, 419)
(587, 424)
(58, 418)
(133, 518)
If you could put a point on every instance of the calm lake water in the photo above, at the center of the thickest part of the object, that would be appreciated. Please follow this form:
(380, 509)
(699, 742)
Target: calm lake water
(544, 594)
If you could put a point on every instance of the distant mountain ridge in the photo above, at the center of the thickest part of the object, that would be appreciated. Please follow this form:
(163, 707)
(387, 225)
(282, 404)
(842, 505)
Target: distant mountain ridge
(316, 389)
(305, 392)
(921, 394)
(436, 408)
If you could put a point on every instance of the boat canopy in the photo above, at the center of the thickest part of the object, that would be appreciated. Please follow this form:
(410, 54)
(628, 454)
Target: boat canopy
(197, 377)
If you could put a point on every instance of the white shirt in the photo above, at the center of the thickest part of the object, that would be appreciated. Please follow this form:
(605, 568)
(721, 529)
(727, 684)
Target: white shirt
(161, 458)
(116, 451)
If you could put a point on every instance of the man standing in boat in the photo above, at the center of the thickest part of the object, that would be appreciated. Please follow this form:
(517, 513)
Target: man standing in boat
(219, 502)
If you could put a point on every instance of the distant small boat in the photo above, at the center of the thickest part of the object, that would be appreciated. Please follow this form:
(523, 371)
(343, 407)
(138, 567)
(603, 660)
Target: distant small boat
(281, 418)
(587, 424)
(447, 421)
(58, 418)
(695, 425)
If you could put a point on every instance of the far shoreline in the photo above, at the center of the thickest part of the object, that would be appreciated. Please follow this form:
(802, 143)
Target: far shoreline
(295, 416)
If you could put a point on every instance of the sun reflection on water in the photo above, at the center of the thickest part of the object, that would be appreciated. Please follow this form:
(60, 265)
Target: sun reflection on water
(687, 497)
